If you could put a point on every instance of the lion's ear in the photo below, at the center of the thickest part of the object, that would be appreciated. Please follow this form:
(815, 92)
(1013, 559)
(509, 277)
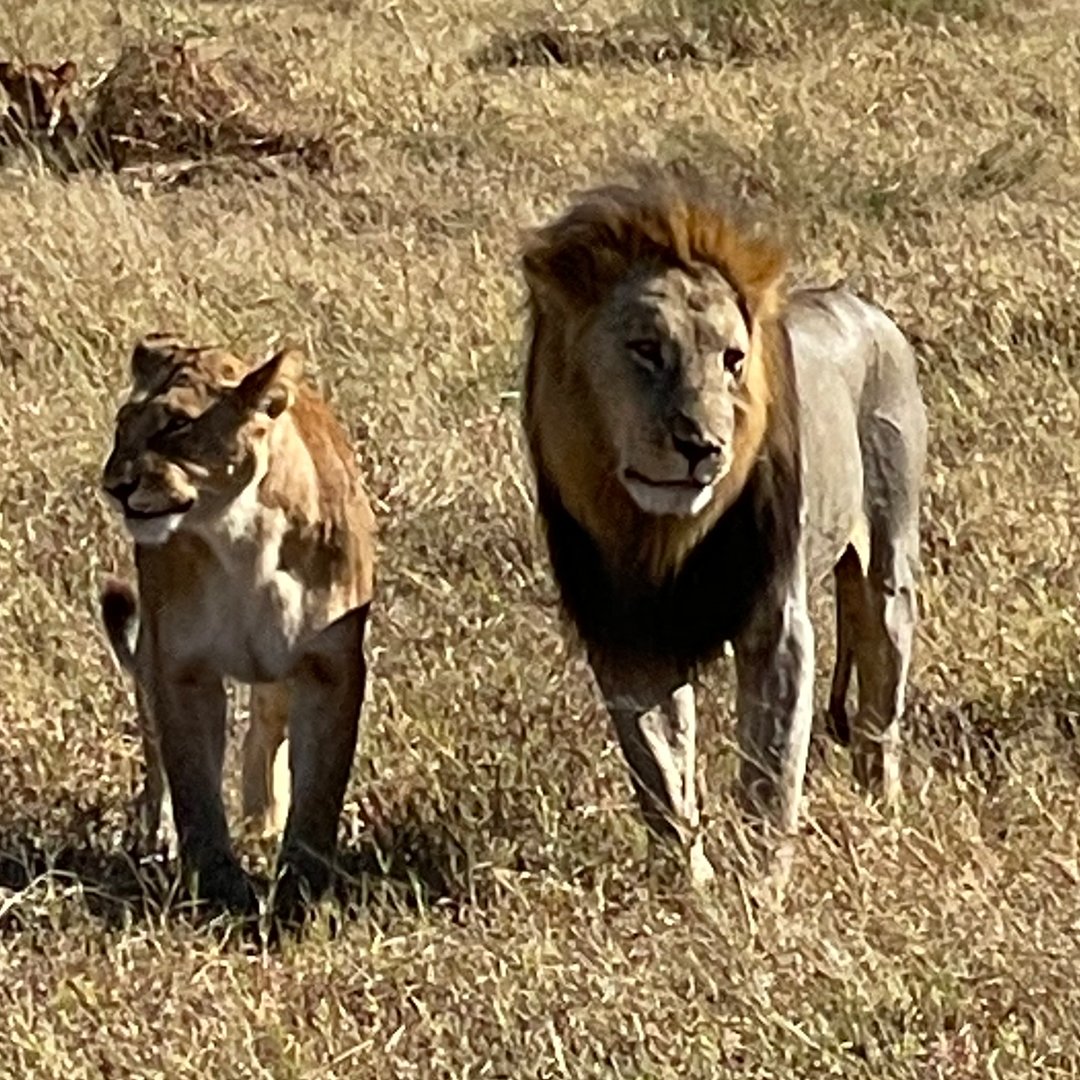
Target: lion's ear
(9, 74)
(271, 387)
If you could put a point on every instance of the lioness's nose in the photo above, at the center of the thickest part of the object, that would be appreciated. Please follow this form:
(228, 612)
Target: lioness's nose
(121, 491)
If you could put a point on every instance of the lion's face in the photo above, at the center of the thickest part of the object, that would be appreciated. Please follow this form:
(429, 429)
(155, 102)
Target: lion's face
(666, 357)
(37, 98)
(191, 436)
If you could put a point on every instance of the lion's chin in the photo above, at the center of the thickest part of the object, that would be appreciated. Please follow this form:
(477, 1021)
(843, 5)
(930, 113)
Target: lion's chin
(680, 499)
(153, 531)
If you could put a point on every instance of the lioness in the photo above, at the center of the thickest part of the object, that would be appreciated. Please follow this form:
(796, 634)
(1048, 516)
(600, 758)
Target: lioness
(706, 447)
(254, 551)
(38, 104)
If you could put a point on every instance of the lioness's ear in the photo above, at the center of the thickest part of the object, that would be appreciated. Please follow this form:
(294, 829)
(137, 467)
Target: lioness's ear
(66, 73)
(271, 387)
(151, 355)
(9, 74)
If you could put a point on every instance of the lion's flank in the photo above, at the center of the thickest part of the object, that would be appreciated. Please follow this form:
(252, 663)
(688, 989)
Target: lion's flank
(670, 218)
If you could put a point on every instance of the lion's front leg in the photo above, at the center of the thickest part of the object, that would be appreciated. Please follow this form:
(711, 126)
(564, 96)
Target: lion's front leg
(655, 717)
(774, 660)
(190, 711)
(324, 716)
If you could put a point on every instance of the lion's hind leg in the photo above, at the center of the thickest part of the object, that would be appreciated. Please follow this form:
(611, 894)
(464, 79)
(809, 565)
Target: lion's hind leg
(265, 776)
(883, 657)
(850, 601)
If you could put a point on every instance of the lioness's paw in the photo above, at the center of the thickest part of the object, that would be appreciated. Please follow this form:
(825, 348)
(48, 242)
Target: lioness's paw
(223, 883)
(301, 882)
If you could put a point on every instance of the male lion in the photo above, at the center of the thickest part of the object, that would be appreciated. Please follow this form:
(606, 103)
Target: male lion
(705, 447)
(254, 551)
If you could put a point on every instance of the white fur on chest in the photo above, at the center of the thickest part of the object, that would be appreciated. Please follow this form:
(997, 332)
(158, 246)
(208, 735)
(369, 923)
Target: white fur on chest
(247, 617)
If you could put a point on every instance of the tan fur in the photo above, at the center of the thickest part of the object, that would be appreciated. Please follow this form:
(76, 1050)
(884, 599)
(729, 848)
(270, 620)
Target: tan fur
(259, 568)
(570, 266)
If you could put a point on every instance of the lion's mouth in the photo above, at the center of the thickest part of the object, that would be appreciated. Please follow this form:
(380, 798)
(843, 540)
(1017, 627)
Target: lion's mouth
(686, 484)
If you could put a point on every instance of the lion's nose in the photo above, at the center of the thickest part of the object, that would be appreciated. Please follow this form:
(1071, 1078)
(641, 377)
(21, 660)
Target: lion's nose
(694, 443)
(696, 450)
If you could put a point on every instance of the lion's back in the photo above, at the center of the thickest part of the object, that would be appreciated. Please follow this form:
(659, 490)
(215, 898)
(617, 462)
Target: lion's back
(862, 416)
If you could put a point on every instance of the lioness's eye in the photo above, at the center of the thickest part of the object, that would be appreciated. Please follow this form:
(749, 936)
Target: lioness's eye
(733, 360)
(647, 352)
(176, 426)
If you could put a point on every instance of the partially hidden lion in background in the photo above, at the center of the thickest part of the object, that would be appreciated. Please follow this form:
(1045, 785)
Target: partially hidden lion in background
(38, 105)
(254, 552)
(706, 448)
(174, 105)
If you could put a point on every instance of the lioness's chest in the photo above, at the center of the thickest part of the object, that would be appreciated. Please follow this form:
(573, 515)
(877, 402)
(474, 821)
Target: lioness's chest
(247, 628)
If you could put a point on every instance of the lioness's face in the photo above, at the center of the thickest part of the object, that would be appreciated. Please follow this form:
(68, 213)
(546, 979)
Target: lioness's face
(668, 355)
(189, 436)
(37, 98)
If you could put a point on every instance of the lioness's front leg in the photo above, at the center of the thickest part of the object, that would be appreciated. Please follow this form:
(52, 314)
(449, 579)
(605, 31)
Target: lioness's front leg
(653, 709)
(774, 659)
(324, 715)
(190, 711)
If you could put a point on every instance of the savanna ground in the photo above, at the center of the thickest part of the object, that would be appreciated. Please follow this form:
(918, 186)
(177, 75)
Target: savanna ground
(499, 918)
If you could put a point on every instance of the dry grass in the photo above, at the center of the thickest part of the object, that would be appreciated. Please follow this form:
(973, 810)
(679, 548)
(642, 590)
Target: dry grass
(500, 921)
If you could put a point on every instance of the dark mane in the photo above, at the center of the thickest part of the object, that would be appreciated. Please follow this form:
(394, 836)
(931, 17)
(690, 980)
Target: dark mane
(708, 599)
(699, 592)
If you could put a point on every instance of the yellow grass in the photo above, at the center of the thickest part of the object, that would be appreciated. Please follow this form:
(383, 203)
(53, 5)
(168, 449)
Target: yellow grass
(500, 918)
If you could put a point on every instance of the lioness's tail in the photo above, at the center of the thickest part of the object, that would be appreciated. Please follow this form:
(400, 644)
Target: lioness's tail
(120, 614)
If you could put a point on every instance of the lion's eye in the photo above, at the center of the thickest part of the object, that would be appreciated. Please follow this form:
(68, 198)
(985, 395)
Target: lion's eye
(733, 360)
(647, 352)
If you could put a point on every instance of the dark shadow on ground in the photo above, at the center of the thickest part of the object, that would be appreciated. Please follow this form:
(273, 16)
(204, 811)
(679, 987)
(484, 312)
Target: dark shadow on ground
(401, 864)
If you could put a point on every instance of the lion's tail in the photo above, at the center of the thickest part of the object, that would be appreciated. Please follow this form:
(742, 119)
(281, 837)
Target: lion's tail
(120, 614)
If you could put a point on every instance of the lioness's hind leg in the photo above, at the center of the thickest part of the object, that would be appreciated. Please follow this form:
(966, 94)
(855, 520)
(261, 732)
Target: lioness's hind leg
(153, 807)
(265, 780)
(883, 658)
